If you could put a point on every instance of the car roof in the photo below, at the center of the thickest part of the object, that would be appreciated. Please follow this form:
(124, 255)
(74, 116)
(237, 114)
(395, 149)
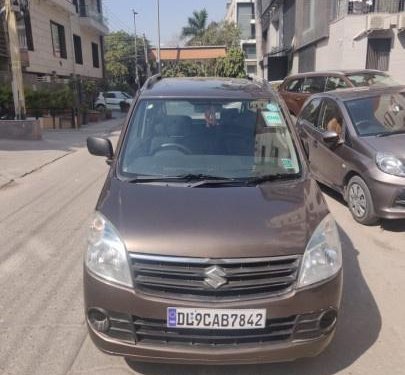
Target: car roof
(215, 88)
(360, 92)
(334, 72)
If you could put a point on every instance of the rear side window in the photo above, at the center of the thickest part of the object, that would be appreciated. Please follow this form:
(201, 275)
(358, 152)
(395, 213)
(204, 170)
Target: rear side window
(295, 85)
(311, 112)
(314, 85)
(334, 83)
(109, 95)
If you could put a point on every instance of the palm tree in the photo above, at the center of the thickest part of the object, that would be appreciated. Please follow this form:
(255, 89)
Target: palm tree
(196, 24)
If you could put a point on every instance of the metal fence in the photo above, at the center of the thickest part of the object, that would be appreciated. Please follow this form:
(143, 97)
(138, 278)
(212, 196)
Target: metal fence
(341, 8)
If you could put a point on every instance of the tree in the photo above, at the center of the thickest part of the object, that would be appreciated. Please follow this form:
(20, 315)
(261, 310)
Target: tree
(218, 34)
(183, 69)
(233, 65)
(120, 59)
(196, 24)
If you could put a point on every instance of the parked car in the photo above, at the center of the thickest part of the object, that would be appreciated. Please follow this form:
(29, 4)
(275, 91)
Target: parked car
(114, 100)
(355, 143)
(210, 243)
(297, 88)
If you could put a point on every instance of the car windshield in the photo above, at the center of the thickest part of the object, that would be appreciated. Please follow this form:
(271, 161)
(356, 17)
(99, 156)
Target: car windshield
(378, 115)
(217, 138)
(371, 79)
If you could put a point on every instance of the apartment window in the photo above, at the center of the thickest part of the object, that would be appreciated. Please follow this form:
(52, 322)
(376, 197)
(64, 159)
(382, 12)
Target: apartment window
(96, 57)
(250, 51)
(77, 42)
(245, 15)
(58, 40)
(308, 14)
(28, 32)
(76, 4)
(27, 25)
(378, 53)
(99, 9)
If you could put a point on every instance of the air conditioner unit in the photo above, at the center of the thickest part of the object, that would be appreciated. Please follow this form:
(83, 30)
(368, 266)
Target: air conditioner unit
(377, 22)
(401, 21)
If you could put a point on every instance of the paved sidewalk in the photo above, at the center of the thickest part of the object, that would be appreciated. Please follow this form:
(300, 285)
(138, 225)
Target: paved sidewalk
(20, 158)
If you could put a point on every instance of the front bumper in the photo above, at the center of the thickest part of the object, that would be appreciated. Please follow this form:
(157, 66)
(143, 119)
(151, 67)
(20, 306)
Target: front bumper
(315, 300)
(388, 194)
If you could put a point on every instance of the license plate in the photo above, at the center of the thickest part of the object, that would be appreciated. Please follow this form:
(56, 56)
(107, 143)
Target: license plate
(216, 318)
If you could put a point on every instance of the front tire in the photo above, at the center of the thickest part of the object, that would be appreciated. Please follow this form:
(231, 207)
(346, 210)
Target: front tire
(360, 202)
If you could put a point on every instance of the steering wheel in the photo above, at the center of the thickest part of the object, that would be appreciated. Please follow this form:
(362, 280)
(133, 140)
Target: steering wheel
(172, 146)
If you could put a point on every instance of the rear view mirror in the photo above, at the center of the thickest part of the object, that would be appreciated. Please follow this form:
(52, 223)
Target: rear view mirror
(331, 137)
(100, 147)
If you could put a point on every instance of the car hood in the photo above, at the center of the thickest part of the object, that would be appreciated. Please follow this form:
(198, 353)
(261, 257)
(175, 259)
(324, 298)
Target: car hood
(393, 144)
(274, 219)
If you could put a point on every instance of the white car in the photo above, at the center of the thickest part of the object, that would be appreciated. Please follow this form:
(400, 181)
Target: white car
(112, 99)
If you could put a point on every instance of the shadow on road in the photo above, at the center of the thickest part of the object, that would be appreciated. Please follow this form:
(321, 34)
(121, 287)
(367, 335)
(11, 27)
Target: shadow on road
(387, 225)
(358, 329)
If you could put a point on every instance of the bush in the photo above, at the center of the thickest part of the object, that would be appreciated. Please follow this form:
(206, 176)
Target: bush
(41, 101)
(6, 102)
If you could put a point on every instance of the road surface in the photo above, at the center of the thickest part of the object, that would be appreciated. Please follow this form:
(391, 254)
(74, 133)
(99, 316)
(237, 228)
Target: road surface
(43, 224)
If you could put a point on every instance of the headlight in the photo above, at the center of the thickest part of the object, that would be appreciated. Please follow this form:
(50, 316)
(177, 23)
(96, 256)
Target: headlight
(323, 255)
(388, 163)
(106, 254)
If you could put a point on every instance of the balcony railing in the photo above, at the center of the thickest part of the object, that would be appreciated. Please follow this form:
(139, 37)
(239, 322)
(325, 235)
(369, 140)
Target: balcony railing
(90, 12)
(375, 6)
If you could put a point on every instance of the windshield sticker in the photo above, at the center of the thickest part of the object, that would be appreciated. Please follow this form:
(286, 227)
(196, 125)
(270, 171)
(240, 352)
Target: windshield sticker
(272, 118)
(287, 163)
(272, 107)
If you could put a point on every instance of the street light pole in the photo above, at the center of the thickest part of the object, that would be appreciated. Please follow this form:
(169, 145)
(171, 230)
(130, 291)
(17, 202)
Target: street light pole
(158, 47)
(136, 52)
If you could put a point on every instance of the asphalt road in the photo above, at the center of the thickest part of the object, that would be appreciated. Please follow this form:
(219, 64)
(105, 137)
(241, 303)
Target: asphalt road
(43, 223)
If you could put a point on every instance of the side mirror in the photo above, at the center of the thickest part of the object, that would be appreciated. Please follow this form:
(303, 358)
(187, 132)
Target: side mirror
(331, 138)
(100, 147)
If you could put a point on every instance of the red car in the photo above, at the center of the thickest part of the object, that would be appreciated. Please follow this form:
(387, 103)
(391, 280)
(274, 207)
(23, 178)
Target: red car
(297, 88)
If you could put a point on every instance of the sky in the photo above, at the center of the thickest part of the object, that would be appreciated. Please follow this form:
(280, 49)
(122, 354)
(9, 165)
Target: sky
(173, 16)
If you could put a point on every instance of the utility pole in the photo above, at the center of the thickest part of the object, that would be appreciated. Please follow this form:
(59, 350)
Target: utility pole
(158, 47)
(145, 46)
(136, 52)
(15, 57)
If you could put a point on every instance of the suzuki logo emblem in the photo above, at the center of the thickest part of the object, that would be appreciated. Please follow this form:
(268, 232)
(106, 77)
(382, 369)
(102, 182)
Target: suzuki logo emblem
(215, 277)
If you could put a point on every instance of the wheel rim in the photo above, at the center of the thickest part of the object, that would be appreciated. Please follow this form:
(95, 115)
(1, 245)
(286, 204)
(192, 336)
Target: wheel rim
(357, 200)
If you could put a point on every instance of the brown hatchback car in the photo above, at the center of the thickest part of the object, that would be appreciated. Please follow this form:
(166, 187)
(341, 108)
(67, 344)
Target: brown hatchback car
(355, 143)
(297, 88)
(210, 243)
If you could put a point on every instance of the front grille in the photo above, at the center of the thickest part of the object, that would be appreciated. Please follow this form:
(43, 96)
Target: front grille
(136, 330)
(156, 332)
(214, 279)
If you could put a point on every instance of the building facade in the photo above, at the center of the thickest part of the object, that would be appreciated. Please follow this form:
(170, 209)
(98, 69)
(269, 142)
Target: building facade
(301, 36)
(242, 13)
(60, 38)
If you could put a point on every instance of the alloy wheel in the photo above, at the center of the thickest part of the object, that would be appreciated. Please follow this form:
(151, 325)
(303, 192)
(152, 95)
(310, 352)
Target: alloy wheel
(357, 200)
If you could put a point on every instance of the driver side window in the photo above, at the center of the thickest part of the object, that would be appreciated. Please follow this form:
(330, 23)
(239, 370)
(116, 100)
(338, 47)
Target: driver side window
(331, 118)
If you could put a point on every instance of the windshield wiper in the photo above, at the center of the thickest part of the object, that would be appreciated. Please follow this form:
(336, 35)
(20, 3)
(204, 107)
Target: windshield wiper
(391, 133)
(272, 177)
(197, 178)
